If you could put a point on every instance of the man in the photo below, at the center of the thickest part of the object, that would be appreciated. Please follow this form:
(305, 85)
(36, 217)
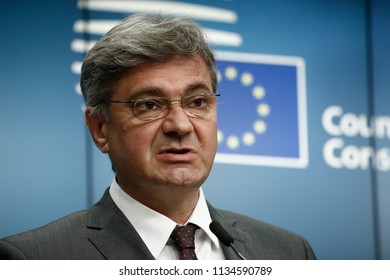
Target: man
(150, 87)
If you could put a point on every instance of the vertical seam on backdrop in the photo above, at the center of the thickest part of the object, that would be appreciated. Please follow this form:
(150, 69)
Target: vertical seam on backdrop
(371, 112)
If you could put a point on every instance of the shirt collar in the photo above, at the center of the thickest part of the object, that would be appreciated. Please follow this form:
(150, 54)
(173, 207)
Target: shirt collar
(144, 219)
(201, 217)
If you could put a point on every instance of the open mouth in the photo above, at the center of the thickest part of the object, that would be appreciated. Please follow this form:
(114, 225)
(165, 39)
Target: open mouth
(177, 152)
(178, 155)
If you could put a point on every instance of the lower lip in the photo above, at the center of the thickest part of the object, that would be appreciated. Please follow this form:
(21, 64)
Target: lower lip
(177, 158)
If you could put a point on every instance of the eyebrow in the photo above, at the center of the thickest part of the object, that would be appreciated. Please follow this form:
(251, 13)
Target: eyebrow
(198, 86)
(156, 91)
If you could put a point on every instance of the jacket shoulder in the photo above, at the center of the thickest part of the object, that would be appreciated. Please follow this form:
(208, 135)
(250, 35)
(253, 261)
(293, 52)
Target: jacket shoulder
(266, 241)
(51, 241)
(256, 226)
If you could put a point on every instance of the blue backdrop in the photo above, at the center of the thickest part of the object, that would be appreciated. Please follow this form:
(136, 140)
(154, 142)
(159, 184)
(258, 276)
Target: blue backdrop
(302, 83)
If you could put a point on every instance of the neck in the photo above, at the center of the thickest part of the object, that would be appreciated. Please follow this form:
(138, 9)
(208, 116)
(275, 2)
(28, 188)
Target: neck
(174, 202)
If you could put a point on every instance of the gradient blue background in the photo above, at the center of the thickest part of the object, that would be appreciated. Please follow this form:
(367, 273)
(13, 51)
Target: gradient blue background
(49, 167)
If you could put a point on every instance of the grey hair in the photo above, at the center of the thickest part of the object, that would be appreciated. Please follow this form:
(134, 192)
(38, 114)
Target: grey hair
(139, 39)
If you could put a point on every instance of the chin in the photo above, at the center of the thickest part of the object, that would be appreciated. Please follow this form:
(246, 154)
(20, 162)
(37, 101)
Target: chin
(184, 178)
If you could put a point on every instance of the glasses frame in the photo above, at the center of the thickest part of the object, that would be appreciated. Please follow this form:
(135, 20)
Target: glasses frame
(179, 101)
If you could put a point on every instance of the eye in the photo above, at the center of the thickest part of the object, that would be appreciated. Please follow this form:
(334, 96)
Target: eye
(148, 104)
(196, 101)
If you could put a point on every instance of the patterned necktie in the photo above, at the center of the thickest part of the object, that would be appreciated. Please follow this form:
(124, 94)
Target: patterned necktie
(184, 239)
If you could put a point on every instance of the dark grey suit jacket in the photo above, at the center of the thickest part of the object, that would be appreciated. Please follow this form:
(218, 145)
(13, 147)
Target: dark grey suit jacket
(103, 232)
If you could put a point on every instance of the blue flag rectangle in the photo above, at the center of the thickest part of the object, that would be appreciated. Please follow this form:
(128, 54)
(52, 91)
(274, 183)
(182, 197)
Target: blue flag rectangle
(262, 110)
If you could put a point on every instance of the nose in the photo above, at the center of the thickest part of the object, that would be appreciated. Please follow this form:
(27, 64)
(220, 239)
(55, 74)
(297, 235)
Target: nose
(177, 123)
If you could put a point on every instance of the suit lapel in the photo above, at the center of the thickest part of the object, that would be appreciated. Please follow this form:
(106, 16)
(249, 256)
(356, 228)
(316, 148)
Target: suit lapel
(112, 234)
(242, 242)
(116, 239)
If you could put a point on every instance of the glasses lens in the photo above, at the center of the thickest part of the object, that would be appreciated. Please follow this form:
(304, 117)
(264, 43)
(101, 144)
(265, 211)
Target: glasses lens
(151, 108)
(199, 104)
(158, 107)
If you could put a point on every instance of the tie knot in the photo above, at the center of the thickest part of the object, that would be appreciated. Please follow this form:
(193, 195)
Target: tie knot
(184, 239)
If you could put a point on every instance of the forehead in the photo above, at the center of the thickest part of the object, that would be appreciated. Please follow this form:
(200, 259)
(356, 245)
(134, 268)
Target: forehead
(174, 76)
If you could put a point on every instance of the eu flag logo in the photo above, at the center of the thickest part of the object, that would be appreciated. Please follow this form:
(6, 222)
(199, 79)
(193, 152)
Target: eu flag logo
(262, 110)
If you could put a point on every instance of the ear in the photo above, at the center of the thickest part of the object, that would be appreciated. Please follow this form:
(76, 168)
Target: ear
(98, 128)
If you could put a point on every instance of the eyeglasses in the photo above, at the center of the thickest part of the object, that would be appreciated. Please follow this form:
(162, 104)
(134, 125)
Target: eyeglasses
(153, 108)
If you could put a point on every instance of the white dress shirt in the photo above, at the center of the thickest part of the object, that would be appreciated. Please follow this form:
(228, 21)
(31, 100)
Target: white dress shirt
(155, 229)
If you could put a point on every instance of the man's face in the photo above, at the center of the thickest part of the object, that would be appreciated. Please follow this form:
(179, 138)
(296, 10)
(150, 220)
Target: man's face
(174, 151)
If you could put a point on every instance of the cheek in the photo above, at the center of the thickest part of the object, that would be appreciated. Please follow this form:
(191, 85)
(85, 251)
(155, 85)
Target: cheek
(207, 134)
(125, 142)
(140, 138)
